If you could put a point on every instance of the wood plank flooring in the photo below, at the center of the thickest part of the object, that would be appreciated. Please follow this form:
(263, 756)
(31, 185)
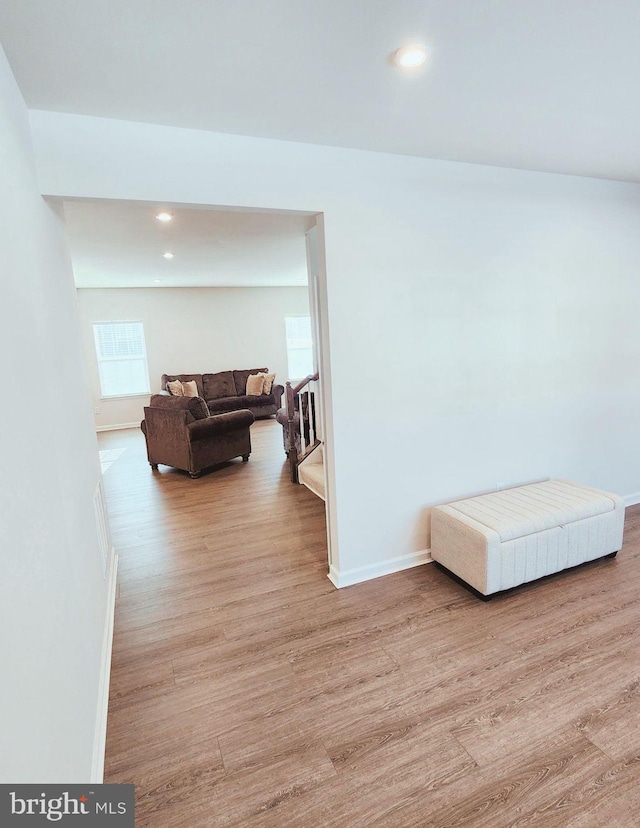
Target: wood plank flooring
(247, 691)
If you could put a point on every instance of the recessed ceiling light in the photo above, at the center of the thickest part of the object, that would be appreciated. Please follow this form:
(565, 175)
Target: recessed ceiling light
(164, 216)
(157, 281)
(411, 56)
(168, 255)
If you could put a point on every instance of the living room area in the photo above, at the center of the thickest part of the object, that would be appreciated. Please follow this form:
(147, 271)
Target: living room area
(202, 290)
(174, 292)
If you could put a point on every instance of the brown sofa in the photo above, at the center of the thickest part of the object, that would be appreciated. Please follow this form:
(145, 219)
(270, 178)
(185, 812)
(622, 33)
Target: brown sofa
(225, 391)
(180, 433)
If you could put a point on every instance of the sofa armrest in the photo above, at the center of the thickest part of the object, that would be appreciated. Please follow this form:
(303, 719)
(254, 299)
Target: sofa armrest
(277, 391)
(220, 424)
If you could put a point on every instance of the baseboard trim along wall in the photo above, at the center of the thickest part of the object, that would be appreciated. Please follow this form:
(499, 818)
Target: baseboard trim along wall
(632, 499)
(388, 567)
(118, 427)
(100, 737)
(367, 573)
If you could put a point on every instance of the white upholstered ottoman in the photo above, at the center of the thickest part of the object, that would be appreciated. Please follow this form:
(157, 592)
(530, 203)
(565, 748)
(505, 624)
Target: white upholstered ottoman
(496, 541)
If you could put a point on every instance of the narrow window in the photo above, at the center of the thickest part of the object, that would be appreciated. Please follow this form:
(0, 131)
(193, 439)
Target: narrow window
(122, 358)
(299, 347)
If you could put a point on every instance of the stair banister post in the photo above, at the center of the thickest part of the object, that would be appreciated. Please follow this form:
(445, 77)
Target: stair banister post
(292, 393)
(293, 451)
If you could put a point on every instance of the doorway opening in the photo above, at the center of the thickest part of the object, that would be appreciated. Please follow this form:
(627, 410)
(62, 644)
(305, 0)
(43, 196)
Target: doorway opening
(212, 288)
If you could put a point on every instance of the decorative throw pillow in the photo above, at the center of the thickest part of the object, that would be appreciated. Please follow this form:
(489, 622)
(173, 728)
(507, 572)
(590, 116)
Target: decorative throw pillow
(175, 388)
(254, 385)
(190, 389)
(268, 383)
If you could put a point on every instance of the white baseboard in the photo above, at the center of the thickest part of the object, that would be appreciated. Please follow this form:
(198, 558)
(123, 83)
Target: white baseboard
(100, 736)
(367, 573)
(118, 427)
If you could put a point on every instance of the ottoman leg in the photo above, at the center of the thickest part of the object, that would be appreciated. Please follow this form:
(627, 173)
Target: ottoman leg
(463, 583)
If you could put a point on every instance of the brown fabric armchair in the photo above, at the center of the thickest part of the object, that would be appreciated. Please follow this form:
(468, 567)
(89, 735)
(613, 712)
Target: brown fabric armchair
(180, 432)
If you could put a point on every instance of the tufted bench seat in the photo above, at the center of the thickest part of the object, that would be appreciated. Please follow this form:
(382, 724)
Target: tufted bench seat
(500, 540)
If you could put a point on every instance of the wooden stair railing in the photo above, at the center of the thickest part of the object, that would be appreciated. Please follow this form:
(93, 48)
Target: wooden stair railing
(300, 399)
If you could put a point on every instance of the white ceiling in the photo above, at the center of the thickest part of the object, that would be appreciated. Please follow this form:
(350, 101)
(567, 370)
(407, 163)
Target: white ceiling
(120, 244)
(534, 84)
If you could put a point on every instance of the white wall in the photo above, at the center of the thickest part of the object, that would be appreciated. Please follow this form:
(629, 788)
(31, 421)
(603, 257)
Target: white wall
(482, 321)
(52, 592)
(192, 331)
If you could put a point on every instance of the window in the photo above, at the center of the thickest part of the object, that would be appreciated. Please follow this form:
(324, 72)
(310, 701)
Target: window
(122, 358)
(299, 346)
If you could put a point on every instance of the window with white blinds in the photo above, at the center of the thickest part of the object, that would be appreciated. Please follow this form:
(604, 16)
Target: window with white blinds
(299, 347)
(122, 358)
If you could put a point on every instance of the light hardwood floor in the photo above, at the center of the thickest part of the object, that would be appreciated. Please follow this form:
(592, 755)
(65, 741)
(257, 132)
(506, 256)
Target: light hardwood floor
(247, 691)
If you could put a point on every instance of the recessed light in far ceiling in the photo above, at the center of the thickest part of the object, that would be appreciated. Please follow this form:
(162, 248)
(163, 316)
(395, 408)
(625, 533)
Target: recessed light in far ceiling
(157, 281)
(164, 216)
(410, 56)
(168, 255)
